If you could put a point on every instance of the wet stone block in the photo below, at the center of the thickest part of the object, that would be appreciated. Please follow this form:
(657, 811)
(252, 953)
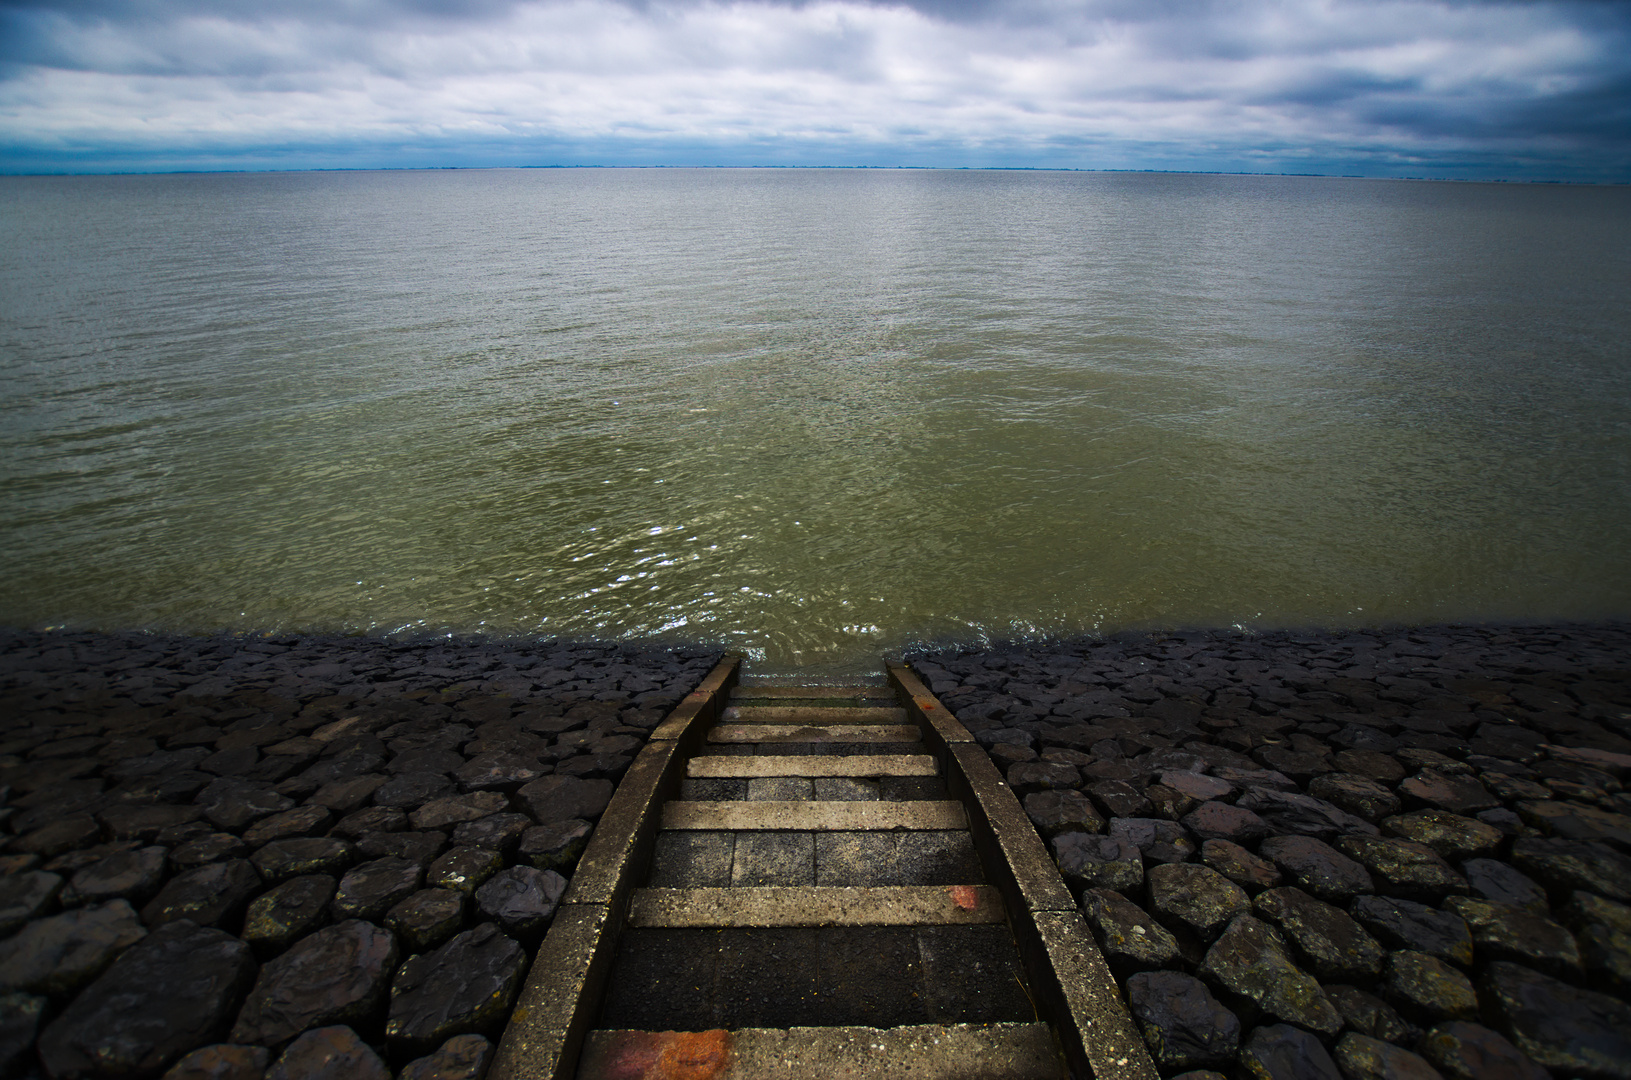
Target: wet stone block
(1358, 795)
(1129, 936)
(1489, 879)
(1456, 794)
(1603, 930)
(120, 1026)
(1055, 812)
(463, 868)
(1302, 815)
(1451, 836)
(1330, 943)
(416, 847)
(283, 859)
(57, 955)
(1183, 1024)
(1464, 1051)
(1364, 1058)
(779, 789)
(562, 798)
(329, 1053)
(1240, 866)
(1425, 989)
(463, 1057)
(222, 1061)
(521, 900)
(384, 819)
(1194, 899)
(278, 918)
(25, 896)
(1250, 959)
(1565, 865)
(1221, 821)
(497, 832)
(1158, 840)
(1282, 1052)
(1370, 1015)
(337, 975)
(19, 1022)
(452, 810)
(1562, 1027)
(300, 822)
(410, 790)
(1502, 932)
(465, 986)
(1089, 861)
(1403, 867)
(428, 918)
(971, 975)
(1316, 867)
(211, 895)
(369, 890)
(209, 848)
(1407, 924)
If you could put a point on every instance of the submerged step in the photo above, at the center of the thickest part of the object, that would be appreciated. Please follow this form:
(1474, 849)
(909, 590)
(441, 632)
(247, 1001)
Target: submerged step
(814, 816)
(879, 905)
(811, 766)
(772, 733)
(919, 1052)
(803, 714)
(814, 693)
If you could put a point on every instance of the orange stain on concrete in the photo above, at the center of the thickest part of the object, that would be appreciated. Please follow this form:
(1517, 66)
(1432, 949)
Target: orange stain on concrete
(694, 1055)
(666, 1055)
(964, 896)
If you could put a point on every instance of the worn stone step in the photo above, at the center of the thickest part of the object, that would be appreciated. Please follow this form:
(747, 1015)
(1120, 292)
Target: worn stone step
(919, 1052)
(813, 693)
(814, 816)
(813, 733)
(811, 766)
(817, 905)
(802, 714)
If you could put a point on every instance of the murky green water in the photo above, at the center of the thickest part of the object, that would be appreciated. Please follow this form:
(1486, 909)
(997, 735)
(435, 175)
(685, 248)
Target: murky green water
(818, 414)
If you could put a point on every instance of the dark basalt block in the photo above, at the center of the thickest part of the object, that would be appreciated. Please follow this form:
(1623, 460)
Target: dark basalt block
(120, 1026)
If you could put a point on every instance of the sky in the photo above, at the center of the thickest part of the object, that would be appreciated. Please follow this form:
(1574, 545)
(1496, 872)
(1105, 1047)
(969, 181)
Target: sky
(1464, 89)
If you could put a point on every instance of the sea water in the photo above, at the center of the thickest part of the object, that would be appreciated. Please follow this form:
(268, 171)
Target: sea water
(817, 415)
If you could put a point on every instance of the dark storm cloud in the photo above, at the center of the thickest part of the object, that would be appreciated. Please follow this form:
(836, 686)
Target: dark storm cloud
(1161, 83)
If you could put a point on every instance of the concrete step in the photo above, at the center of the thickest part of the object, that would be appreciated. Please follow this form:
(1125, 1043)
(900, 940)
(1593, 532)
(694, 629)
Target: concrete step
(919, 1052)
(874, 694)
(825, 765)
(814, 816)
(813, 733)
(886, 905)
(802, 714)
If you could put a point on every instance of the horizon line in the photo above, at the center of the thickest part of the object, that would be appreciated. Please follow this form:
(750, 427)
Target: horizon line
(856, 168)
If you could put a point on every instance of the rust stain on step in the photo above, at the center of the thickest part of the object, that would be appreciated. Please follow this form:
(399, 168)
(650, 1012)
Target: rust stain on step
(663, 1055)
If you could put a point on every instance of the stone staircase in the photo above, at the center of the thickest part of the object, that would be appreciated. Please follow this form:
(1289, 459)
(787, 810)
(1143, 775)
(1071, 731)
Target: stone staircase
(815, 907)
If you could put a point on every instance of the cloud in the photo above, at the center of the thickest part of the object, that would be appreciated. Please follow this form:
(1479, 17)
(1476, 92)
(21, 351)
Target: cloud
(1383, 86)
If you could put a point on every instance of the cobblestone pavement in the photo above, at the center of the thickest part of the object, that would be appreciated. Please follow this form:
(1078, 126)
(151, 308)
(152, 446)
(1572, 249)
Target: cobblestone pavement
(1357, 855)
(294, 857)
